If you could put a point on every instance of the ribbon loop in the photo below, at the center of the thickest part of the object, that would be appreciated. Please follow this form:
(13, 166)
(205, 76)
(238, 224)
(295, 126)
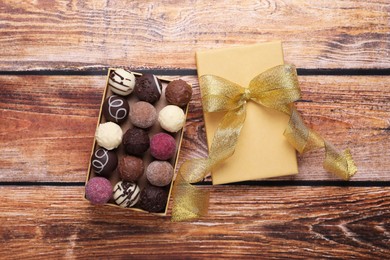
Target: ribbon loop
(220, 94)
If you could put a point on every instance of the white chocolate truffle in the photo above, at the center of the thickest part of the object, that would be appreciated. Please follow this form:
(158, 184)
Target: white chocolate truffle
(126, 194)
(109, 135)
(122, 82)
(171, 118)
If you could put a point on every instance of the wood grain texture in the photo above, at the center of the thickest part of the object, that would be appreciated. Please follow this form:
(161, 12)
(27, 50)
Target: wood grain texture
(49, 123)
(267, 222)
(93, 34)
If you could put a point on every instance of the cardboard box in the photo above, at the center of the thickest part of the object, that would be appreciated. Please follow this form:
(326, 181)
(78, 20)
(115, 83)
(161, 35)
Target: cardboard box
(147, 158)
(262, 150)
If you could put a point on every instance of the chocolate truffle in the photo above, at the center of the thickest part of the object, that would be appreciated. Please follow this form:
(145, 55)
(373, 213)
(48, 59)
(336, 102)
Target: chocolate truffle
(104, 162)
(130, 168)
(109, 135)
(126, 194)
(159, 173)
(136, 141)
(153, 199)
(162, 146)
(121, 81)
(148, 88)
(98, 190)
(115, 109)
(171, 118)
(143, 114)
(178, 93)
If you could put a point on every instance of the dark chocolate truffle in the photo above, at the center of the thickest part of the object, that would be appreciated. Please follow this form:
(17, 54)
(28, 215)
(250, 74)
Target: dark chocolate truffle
(136, 141)
(159, 173)
(148, 88)
(98, 190)
(143, 114)
(104, 162)
(126, 194)
(130, 168)
(178, 93)
(162, 146)
(115, 109)
(153, 199)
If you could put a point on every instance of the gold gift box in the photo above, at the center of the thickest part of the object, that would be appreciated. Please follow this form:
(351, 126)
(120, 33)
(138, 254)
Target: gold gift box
(262, 151)
(147, 158)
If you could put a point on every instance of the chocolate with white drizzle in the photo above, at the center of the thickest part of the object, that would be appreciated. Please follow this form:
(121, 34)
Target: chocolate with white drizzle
(126, 194)
(104, 162)
(115, 109)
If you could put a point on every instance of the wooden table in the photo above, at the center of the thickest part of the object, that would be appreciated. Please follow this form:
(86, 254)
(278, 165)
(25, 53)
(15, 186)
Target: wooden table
(54, 57)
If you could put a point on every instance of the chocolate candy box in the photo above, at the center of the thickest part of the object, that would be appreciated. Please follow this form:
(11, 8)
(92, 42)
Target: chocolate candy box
(147, 158)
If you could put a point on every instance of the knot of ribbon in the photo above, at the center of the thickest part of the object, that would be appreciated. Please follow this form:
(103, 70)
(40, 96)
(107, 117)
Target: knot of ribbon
(276, 88)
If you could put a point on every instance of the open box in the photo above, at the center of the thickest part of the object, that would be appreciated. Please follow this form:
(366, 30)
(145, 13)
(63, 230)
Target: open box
(147, 158)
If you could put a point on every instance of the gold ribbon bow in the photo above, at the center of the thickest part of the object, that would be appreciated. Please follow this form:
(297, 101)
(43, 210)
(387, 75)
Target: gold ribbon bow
(275, 88)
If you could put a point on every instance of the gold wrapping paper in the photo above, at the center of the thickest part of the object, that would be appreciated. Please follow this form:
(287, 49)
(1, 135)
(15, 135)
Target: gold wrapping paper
(263, 151)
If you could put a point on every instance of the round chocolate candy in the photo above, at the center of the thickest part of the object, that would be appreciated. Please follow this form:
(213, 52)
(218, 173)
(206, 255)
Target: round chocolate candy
(104, 162)
(115, 109)
(136, 141)
(159, 173)
(172, 118)
(109, 135)
(130, 168)
(126, 194)
(178, 93)
(162, 146)
(121, 81)
(98, 190)
(143, 114)
(153, 199)
(148, 88)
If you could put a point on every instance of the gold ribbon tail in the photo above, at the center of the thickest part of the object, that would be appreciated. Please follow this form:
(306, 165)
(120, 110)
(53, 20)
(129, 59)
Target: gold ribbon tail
(304, 139)
(191, 202)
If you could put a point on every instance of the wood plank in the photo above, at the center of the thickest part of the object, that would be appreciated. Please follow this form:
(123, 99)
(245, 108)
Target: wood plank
(94, 34)
(243, 221)
(49, 123)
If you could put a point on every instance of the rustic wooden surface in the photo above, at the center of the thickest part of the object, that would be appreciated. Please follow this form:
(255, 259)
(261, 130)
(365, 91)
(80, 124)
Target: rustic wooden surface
(53, 58)
(285, 222)
(316, 34)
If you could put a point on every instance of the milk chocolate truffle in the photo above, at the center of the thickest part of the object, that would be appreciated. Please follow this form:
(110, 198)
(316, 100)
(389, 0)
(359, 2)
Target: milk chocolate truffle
(178, 93)
(153, 199)
(104, 162)
(98, 190)
(171, 118)
(130, 168)
(159, 173)
(162, 146)
(136, 141)
(148, 88)
(143, 114)
(115, 109)
(122, 82)
(109, 135)
(126, 194)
